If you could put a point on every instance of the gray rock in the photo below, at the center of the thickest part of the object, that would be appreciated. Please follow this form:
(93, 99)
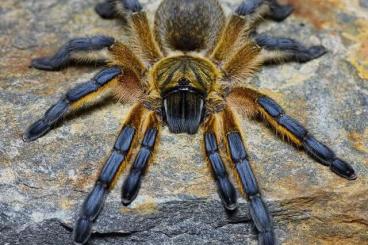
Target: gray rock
(364, 3)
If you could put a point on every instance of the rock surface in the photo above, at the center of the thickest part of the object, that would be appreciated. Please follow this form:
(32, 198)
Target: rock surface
(43, 183)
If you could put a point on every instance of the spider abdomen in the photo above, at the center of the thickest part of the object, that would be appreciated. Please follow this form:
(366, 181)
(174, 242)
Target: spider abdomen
(188, 25)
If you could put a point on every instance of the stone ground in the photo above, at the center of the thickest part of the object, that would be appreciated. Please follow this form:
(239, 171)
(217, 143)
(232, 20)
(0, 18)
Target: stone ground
(43, 183)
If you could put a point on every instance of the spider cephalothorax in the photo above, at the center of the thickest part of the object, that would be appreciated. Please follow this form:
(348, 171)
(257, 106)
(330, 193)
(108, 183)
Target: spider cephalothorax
(189, 72)
(184, 83)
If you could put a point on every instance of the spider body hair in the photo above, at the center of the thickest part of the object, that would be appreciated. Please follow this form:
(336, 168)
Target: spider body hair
(189, 25)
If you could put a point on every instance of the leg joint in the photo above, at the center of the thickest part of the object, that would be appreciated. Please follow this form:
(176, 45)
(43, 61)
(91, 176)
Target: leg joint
(132, 5)
(88, 44)
(149, 139)
(125, 139)
(236, 146)
(248, 7)
(210, 143)
(260, 215)
(93, 204)
(111, 167)
(293, 126)
(270, 106)
(247, 178)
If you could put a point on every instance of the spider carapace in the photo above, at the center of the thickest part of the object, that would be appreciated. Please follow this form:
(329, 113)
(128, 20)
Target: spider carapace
(188, 72)
(184, 82)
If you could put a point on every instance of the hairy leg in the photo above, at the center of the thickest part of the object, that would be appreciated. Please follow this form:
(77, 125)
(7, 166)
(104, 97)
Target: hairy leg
(258, 210)
(143, 34)
(132, 11)
(72, 100)
(106, 10)
(232, 31)
(276, 49)
(93, 204)
(132, 183)
(290, 128)
(76, 50)
(120, 154)
(225, 188)
(243, 22)
(114, 8)
(267, 8)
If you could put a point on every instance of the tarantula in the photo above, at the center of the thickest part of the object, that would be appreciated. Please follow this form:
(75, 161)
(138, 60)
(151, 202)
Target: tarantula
(188, 71)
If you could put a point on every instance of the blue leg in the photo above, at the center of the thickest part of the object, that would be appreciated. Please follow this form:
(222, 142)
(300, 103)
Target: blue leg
(277, 11)
(226, 189)
(64, 56)
(111, 9)
(93, 204)
(56, 112)
(106, 10)
(133, 181)
(313, 147)
(287, 49)
(132, 5)
(268, 8)
(258, 210)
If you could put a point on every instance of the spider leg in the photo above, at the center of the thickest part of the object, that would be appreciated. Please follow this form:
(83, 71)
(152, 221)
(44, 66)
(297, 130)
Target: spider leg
(70, 51)
(143, 34)
(279, 12)
(258, 210)
(268, 8)
(228, 38)
(114, 8)
(74, 99)
(132, 5)
(225, 188)
(243, 22)
(290, 128)
(92, 205)
(120, 154)
(278, 49)
(132, 183)
(144, 43)
(106, 10)
(293, 130)
(137, 19)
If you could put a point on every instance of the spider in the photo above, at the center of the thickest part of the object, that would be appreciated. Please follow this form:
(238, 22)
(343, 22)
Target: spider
(187, 72)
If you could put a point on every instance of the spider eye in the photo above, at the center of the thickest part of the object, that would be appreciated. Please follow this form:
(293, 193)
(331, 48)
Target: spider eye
(183, 82)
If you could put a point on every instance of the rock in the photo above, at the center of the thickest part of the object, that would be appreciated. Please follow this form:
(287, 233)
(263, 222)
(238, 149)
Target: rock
(43, 183)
